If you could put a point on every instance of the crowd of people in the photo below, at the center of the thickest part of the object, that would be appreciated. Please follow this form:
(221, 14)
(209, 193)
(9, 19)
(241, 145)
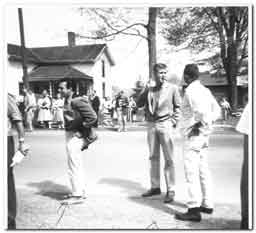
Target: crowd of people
(165, 109)
(47, 112)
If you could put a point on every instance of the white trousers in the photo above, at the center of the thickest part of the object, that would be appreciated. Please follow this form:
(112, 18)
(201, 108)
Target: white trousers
(161, 134)
(75, 163)
(197, 173)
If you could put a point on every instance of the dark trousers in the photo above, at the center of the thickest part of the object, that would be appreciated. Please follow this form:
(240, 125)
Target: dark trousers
(244, 187)
(11, 186)
(95, 125)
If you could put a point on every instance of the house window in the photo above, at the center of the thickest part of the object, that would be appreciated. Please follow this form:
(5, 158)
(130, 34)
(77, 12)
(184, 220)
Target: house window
(103, 68)
(103, 90)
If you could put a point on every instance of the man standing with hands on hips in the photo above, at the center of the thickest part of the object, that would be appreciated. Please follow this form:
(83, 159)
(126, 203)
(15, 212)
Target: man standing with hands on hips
(199, 110)
(162, 110)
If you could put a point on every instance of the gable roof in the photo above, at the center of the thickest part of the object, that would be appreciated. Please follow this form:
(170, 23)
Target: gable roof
(54, 72)
(14, 52)
(61, 54)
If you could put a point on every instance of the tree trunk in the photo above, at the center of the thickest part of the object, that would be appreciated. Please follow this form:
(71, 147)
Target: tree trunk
(151, 30)
(232, 74)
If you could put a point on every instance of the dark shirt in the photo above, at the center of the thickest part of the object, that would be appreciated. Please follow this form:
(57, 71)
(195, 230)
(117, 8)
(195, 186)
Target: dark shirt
(78, 109)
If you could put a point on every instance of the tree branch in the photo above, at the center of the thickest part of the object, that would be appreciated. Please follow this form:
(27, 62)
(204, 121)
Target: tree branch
(243, 54)
(113, 34)
(222, 18)
(215, 24)
(116, 30)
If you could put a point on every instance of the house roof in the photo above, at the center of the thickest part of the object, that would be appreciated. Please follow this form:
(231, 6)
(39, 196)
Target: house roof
(53, 72)
(62, 54)
(14, 52)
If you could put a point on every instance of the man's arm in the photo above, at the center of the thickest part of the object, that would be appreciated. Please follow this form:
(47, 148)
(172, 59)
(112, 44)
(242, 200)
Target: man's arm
(85, 110)
(15, 117)
(142, 98)
(176, 106)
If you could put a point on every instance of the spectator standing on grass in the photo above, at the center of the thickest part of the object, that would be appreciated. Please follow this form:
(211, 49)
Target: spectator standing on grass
(243, 127)
(199, 110)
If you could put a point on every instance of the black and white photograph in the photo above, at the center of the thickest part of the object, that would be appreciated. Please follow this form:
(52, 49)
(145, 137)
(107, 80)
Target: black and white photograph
(128, 117)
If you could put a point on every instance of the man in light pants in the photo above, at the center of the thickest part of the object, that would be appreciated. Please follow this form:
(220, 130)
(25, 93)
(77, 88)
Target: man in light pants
(199, 110)
(162, 103)
(75, 108)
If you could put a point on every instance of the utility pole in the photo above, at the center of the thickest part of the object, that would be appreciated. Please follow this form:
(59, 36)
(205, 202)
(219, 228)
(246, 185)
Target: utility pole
(23, 50)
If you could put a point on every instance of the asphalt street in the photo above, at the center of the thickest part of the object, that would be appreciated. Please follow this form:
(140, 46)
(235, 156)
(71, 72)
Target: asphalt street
(116, 173)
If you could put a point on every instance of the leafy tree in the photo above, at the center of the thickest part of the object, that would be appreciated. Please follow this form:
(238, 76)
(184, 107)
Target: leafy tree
(201, 28)
(117, 21)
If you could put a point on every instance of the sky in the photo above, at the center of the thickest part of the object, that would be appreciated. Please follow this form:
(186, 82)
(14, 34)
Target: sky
(48, 26)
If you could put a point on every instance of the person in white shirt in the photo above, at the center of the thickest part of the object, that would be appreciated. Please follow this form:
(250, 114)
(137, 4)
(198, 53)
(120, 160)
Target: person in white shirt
(243, 127)
(199, 110)
(30, 105)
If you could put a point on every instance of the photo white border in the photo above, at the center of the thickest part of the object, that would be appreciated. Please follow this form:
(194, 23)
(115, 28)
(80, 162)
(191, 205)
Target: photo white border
(115, 3)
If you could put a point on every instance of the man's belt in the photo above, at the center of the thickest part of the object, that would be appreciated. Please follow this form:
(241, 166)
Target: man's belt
(160, 118)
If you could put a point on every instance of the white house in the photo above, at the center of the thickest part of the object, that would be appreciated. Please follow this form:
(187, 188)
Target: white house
(90, 65)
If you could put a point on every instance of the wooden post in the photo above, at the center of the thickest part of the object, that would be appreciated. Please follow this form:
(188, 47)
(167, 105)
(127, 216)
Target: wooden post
(50, 89)
(23, 48)
(77, 88)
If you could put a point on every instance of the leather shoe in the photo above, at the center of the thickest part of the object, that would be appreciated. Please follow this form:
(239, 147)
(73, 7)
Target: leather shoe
(193, 214)
(206, 210)
(152, 192)
(169, 197)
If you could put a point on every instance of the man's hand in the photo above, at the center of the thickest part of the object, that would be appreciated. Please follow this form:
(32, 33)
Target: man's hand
(20, 154)
(23, 148)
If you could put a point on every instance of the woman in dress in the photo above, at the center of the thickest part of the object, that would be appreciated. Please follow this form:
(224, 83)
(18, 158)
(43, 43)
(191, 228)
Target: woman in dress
(57, 106)
(44, 113)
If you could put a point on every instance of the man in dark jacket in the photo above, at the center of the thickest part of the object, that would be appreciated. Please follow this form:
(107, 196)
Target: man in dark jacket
(75, 109)
(162, 108)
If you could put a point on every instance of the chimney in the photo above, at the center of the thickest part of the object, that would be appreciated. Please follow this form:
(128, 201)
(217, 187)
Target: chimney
(71, 39)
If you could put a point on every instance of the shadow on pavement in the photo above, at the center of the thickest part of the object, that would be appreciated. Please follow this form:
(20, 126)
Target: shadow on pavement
(50, 189)
(155, 202)
(215, 224)
(127, 185)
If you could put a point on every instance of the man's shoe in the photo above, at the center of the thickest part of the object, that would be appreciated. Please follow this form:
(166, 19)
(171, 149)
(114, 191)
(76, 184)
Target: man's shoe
(169, 197)
(71, 200)
(152, 192)
(193, 214)
(205, 210)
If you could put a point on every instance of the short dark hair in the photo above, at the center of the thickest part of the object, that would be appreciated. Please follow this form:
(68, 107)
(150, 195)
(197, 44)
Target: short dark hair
(70, 84)
(192, 70)
(159, 66)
